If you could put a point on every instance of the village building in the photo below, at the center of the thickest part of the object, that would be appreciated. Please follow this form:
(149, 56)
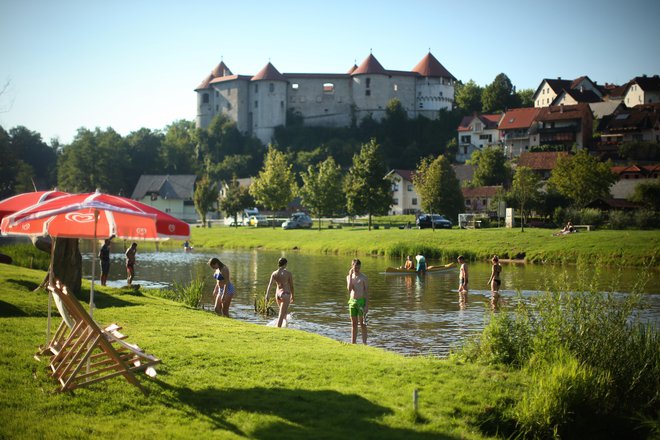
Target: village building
(542, 163)
(630, 176)
(580, 88)
(259, 103)
(405, 199)
(172, 194)
(640, 123)
(475, 133)
(518, 130)
(642, 90)
(565, 126)
(479, 200)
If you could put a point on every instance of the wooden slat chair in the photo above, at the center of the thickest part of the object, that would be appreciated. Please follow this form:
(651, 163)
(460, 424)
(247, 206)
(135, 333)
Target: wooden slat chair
(87, 354)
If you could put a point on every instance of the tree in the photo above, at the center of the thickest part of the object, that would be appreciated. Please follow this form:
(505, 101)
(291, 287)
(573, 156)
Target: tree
(321, 191)
(525, 189)
(237, 198)
(648, 194)
(367, 190)
(39, 160)
(206, 193)
(178, 148)
(497, 95)
(525, 98)
(468, 97)
(275, 186)
(582, 178)
(8, 166)
(438, 187)
(490, 167)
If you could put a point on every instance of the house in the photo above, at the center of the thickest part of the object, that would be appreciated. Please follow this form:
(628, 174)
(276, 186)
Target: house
(476, 132)
(518, 130)
(642, 90)
(565, 126)
(405, 199)
(630, 176)
(478, 200)
(170, 194)
(542, 163)
(581, 88)
(639, 123)
(572, 97)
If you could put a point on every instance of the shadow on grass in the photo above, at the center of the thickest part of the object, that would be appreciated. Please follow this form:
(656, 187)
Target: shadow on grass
(28, 285)
(296, 413)
(103, 300)
(10, 311)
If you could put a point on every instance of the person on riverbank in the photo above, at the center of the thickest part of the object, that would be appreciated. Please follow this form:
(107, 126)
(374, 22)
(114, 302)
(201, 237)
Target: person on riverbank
(104, 259)
(421, 263)
(224, 290)
(494, 282)
(409, 265)
(284, 291)
(130, 263)
(358, 302)
(462, 282)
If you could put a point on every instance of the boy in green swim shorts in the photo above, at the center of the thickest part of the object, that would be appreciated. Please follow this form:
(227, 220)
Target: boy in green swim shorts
(358, 303)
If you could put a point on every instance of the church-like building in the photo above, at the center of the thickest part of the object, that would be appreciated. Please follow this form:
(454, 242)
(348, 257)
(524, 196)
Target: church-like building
(260, 103)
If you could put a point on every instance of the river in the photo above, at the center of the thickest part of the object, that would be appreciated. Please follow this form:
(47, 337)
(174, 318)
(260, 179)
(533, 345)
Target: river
(409, 314)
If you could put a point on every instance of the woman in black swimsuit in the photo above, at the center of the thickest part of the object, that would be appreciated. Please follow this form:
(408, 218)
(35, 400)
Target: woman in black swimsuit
(495, 281)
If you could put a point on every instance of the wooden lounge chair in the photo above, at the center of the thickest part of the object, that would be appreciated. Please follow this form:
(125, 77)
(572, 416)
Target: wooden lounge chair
(84, 353)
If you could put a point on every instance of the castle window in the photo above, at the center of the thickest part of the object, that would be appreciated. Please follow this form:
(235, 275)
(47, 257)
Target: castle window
(205, 98)
(367, 93)
(281, 104)
(256, 104)
(256, 88)
(328, 88)
(294, 86)
(421, 105)
(229, 106)
(368, 83)
(217, 94)
(396, 87)
(271, 87)
(228, 92)
(217, 107)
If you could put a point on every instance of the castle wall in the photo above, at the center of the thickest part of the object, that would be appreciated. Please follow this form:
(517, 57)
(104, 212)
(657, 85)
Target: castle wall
(267, 104)
(321, 100)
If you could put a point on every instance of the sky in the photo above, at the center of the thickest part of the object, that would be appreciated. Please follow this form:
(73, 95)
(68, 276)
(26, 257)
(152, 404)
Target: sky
(68, 64)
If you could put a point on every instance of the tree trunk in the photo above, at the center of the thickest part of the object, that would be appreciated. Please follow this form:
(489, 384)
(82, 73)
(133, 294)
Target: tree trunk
(67, 263)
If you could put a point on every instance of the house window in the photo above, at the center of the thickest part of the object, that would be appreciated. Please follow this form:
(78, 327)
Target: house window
(414, 201)
(294, 86)
(396, 201)
(466, 139)
(410, 188)
(328, 88)
(467, 202)
(483, 202)
(205, 98)
(271, 87)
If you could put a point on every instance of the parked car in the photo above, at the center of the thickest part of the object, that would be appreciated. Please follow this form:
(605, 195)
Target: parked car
(298, 220)
(258, 220)
(428, 220)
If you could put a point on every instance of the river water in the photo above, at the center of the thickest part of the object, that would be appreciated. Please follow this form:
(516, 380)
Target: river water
(409, 314)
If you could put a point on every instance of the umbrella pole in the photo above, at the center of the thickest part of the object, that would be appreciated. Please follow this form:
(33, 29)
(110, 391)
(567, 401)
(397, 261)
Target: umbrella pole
(91, 291)
(51, 280)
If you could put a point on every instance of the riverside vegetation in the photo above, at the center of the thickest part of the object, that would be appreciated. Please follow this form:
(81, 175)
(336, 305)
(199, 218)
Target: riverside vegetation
(564, 365)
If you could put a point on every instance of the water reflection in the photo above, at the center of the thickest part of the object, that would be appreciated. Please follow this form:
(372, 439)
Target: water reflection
(409, 314)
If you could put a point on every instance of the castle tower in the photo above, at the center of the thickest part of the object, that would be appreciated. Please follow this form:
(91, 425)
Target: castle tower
(208, 102)
(434, 88)
(369, 80)
(267, 105)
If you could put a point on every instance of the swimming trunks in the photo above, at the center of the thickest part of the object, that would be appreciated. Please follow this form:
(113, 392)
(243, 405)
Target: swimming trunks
(462, 281)
(105, 267)
(498, 282)
(356, 306)
(228, 290)
(281, 294)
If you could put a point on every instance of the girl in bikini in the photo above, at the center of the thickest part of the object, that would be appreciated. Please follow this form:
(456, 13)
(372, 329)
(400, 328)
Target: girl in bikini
(284, 292)
(495, 282)
(224, 290)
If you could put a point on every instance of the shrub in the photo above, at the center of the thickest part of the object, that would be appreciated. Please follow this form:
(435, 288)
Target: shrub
(590, 216)
(620, 220)
(188, 294)
(645, 219)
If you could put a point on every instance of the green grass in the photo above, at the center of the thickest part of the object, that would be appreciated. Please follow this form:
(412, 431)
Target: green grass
(223, 378)
(629, 248)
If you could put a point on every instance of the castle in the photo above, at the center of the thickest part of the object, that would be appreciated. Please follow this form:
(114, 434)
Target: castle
(260, 103)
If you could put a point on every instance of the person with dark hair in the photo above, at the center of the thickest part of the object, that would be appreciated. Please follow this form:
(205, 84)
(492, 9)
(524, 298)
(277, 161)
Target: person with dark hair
(494, 281)
(358, 302)
(224, 290)
(104, 258)
(130, 263)
(284, 292)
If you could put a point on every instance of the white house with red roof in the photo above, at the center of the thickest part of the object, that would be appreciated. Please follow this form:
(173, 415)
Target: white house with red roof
(630, 176)
(405, 199)
(642, 90)
(476, 132)
(518, 130)
(260, 103)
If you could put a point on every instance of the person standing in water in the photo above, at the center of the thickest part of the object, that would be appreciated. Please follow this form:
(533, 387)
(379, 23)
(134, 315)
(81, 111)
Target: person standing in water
(421, 263)
(130, 263)
(224, 290)
(462, 282)
(495, 282)
(358, 303)
(284, 293)
(104, 258)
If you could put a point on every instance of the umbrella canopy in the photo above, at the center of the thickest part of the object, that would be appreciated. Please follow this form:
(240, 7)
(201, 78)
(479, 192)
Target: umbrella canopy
(18, 202)
(94, 215)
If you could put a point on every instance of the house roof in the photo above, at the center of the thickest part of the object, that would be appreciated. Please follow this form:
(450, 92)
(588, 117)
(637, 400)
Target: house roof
(540, 161)
(268, 73)
(604, 108)
(230, 78)
(481, 191)
(177, 187)
(639, 117)
(489, 121)
(429, 66)
(370, 65)
(564, 112)
(645, 170)
(518, 118)
(316, 75)
(586, 96)
(404, 174)
(647, 83)
(218, 71)
(352, 69)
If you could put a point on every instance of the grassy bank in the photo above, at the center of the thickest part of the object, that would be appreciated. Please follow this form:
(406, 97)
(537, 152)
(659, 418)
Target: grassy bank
(222, 378)
(630, 248)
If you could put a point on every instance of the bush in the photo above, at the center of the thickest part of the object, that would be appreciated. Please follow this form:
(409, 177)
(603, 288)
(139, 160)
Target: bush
(590, 216)
(188, 294)
(620, 220)
(645, 219)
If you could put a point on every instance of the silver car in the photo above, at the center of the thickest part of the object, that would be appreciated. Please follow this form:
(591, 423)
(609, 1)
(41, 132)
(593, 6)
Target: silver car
(298, 220)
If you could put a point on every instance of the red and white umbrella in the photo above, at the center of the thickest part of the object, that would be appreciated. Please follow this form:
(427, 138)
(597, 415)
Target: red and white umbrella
(94, 215)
